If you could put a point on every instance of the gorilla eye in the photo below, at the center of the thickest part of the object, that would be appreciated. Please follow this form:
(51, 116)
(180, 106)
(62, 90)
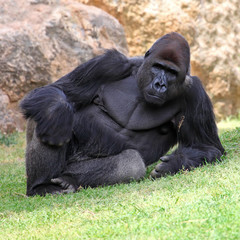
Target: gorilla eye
(158, 66)
(147, 54)
(165, 67)
(173, 71)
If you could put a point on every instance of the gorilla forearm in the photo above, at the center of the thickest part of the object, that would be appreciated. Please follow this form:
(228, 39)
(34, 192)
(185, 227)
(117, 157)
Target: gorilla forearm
(53, 113)
(199, 118)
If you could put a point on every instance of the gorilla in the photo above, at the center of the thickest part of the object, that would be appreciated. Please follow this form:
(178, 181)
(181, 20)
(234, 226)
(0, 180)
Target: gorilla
(111, 117)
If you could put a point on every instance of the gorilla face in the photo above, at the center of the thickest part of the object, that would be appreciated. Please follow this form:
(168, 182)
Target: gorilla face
(162, 84)
(162, 74)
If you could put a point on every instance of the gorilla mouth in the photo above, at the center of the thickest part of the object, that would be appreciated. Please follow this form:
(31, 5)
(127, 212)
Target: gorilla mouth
(153, 95)
(155, 99)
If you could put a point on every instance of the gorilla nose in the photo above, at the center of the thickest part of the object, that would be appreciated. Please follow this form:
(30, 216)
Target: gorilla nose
(159, 85)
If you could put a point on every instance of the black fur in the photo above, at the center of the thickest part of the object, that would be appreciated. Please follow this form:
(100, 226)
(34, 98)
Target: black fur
(112, 116)
(49, 107)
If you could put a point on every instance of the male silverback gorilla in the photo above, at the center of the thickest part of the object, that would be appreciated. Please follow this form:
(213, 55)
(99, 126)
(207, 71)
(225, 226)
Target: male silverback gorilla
(112, 116)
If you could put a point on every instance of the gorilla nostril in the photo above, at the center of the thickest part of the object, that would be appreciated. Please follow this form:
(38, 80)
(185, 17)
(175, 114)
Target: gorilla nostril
(163, 88)
(157, 85)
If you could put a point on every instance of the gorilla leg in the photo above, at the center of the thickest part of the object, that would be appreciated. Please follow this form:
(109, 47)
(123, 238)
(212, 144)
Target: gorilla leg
(121, 168)
(43, 162)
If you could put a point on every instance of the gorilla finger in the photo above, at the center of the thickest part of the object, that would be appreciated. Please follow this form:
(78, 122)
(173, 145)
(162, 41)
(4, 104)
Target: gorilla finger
(70, 189)
(154, 174)
(56, 143)
(165, 158)
(161, 170)
(66, 186)
(60, 182)
(56, 181)
(52, 141)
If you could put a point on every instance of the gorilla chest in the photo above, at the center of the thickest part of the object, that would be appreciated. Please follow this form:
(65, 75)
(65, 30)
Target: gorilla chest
(125, 105)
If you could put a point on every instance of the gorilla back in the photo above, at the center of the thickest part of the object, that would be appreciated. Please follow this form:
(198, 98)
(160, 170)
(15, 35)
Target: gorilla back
(112, 116)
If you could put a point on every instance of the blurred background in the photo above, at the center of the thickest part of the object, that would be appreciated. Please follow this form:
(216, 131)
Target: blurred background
(42, 40)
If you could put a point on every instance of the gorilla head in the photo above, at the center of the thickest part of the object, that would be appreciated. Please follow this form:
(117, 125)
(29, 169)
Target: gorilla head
(166, 64)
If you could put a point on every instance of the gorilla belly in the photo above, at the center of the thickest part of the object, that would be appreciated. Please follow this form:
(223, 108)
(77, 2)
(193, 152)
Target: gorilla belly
(109, 136)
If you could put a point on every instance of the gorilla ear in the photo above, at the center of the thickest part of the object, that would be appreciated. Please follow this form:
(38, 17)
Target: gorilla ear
(188, 81)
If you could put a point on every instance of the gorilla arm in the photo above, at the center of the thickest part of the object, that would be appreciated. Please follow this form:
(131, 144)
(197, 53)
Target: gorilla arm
(198, 141)
(52, 107)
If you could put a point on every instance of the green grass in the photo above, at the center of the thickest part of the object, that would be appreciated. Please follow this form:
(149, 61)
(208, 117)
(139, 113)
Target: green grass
(8, 139)
(201, 204)
(229, 123)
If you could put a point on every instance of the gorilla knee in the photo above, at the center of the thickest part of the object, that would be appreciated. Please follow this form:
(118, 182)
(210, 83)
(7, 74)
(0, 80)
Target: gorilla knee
(130, 166)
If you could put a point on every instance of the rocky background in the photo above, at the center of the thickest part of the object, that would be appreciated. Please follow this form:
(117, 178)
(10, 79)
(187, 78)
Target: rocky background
(41, 40)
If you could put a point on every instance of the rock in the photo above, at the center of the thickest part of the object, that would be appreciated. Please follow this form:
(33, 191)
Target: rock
(216, 54)
(23, 64)
(42, 40)
(145, 21)
(10, 120)
(211, 27)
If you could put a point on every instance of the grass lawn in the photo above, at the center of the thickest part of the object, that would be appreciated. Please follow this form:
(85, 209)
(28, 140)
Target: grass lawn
(201, 204)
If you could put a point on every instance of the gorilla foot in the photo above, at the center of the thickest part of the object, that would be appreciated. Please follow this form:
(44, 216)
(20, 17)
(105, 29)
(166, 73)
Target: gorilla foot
(44, 189)
(65, 186)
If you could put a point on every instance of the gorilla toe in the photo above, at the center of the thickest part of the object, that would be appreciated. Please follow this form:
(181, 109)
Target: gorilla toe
(66, 187)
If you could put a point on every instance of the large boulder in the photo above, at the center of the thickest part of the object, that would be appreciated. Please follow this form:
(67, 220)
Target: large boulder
(211, 27)
(42, 40)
